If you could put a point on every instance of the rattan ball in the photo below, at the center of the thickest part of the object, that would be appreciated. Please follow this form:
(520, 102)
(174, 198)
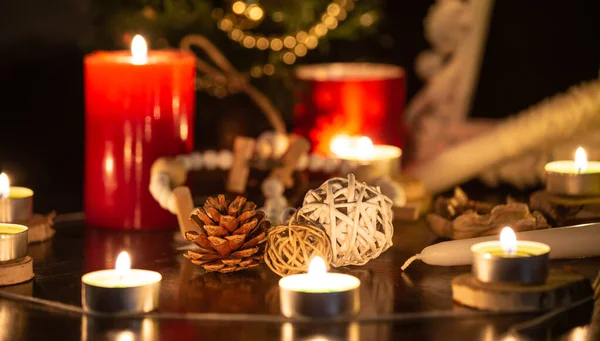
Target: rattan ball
(291, 247)
(357, 218)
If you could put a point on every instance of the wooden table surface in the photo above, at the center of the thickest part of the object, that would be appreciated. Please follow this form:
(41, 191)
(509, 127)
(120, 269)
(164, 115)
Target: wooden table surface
(395, 305)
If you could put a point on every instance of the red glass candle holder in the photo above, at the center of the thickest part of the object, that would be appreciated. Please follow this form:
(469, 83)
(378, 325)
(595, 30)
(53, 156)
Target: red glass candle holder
(135, 113)
(350, 98)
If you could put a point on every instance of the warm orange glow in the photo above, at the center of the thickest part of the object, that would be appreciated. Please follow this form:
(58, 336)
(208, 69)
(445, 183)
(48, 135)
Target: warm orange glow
(347, 120)
(238, 7)
(352, 147)
(254, 12)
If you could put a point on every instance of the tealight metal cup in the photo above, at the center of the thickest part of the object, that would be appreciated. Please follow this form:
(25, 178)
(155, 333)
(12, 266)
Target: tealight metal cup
(299, 303)
(571, 184)
(13, 244)
(133, 299)
(529, 270)
(369, 170)
(18, 208)
(324, 331)
(327, 304)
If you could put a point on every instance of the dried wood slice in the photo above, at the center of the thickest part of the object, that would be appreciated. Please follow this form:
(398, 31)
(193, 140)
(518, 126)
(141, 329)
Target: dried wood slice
(18, 271)
(561, 288)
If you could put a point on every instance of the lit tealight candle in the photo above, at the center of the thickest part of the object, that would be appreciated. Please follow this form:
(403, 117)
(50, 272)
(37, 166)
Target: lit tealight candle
(319, 293)
(578, 177)
(16, 203)
(510, 260)
(122, 289)
(367, 161)
(13, 242)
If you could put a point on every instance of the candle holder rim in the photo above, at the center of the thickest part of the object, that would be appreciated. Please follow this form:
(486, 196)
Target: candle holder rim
(178, 55)
(85, 278)
(283, 280)
(557, 162)
(475, 248)
(396, 155)
(16, 235)
(29, 192)
(310, 72)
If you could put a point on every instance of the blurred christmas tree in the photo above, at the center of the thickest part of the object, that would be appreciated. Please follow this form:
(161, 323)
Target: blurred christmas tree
(263, 39)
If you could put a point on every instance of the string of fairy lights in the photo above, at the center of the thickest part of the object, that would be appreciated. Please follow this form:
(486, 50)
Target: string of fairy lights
(241, 17)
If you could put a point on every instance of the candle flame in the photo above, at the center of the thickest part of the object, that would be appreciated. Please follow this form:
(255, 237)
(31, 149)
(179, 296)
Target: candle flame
(364, 148)
(123, 264)
(345, 146)
(139, 50)
(317, 266)
(508, 241)
(581, 162)
(340, 145)
(4, 186)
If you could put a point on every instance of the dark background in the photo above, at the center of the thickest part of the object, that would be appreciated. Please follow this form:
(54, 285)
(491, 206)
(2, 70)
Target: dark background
(535, 49)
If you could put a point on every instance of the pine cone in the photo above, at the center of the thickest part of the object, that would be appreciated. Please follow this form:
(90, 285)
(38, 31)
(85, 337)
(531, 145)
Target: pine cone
(231, 237)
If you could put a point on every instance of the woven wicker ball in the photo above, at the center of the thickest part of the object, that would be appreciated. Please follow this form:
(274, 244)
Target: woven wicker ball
(291, 247)
(357, 218)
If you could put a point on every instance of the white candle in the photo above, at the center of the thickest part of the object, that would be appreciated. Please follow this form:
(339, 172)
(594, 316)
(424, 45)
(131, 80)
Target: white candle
(578, 241)
(122, 289)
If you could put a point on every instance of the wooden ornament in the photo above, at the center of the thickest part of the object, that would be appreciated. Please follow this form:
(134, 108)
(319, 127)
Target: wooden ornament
(17, 271)
(357, 218)
(243, 149)
(298, 146)
(560, 289)
(418, 200)
(291, 247)
(407, 212)
(173, 167)
(184, 206)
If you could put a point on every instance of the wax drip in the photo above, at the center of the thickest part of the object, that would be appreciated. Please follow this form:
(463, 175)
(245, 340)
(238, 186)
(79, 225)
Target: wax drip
(410, 260)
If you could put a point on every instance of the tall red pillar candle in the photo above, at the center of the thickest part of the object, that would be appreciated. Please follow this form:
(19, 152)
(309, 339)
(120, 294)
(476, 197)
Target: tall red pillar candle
(352, 99)
(139, 106)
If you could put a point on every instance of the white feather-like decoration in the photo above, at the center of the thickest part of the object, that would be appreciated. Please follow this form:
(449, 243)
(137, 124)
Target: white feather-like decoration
(540, 129)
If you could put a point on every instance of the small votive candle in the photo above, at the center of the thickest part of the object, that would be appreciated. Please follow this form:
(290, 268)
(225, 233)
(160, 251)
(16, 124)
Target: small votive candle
(16, 203)
(579, 177)
(122, 290)
(510, 261)
(319, 293)
(364, 159)
(13, 242)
